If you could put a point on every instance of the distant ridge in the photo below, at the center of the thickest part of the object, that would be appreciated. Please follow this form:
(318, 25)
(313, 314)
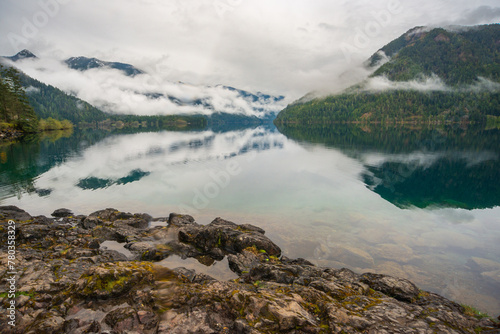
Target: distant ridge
(24, 54)
(84, 63)
(215, 100)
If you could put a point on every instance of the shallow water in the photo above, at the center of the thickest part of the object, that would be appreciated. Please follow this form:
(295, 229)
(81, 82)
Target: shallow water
(415, 204)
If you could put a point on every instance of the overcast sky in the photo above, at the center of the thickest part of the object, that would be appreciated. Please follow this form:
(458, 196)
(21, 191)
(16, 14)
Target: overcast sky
(287, 47)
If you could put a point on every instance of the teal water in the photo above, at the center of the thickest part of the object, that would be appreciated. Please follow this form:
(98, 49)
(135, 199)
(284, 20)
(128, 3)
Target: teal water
(423, 204)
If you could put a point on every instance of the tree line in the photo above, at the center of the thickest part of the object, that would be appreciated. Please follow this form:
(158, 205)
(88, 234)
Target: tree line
(394, 106)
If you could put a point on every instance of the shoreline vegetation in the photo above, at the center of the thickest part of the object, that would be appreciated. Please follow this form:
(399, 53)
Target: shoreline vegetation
(68, 282)
(394, 108)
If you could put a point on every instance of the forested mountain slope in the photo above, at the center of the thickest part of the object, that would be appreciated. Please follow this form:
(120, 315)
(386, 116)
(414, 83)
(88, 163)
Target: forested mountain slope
(426, 75)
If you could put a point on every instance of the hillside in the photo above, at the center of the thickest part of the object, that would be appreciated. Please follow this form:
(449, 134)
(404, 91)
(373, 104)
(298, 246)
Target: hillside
(16, 114)
(458, 56)
(41, 101)
(49, 101)
(426, 75)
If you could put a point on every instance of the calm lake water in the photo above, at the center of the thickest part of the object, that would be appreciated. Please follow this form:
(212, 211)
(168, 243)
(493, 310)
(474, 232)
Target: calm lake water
(413, 203)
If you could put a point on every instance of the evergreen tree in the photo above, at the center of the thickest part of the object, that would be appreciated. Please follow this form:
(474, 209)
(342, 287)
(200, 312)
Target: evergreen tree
(14, 105)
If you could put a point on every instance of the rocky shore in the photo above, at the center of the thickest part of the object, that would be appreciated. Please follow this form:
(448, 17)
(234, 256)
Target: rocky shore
(67, 282)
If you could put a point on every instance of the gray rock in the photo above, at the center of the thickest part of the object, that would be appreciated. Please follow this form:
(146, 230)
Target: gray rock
(399, 288)
(226, 236)
(73, 287)
(134, 222)
(243, 262)
(62, 213)
(13, 213)
(122, 319)
(178, 220)
(91, 222)
(192, 276)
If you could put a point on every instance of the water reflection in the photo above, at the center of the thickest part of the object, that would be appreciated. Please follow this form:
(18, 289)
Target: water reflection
(442, 180)
(422, 168)
(153, 167)
(23, 162)
(94, 183)
(334, 197)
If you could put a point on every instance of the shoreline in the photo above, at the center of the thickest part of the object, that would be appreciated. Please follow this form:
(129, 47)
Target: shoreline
(10, 135)
(65, 281)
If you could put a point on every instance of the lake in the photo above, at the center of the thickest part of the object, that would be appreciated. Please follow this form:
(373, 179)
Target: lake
(422, 204)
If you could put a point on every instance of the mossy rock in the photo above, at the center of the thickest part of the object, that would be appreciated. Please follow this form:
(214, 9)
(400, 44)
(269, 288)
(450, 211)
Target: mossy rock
(113, 279)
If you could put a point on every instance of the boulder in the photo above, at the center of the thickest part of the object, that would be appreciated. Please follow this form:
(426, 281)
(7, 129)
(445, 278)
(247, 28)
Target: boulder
(62, 213)
(14, 213)
(243, 262)
(227, 236)
(399, 288)
(178, 220)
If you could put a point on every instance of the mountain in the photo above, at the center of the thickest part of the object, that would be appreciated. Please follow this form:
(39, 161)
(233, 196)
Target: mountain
(426, 75)
(24, 54)
(49, 101)
(255, 97)
(45, 101)
(161, 95)
(260, 103)
(458, 56)
(84, 63)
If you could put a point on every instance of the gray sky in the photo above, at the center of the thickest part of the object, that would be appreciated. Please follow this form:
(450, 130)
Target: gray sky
(285, 47)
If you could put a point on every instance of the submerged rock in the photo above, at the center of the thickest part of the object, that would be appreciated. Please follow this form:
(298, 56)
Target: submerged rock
(482, 265)
(68, 284)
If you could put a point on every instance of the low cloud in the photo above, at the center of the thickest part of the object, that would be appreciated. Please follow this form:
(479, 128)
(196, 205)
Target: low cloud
(31, 89)
(421, 159)
(382, 83)
(484, 84)
(282, 47)
(146, 94)
(431, 83)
